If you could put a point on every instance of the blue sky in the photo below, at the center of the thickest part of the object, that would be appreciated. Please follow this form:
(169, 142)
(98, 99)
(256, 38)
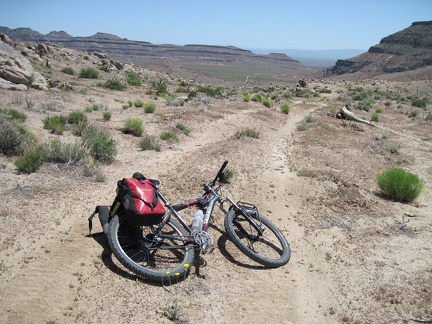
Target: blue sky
(270, 24)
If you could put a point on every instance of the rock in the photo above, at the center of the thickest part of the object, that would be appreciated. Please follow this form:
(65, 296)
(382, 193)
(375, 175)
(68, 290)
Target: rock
(4, 84)
(6, 39)
(43, 49)
(100, 55)
(18, 70)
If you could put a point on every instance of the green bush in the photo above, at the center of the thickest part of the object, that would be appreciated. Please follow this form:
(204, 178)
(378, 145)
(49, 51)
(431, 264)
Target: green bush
(101, 145)
(93, 107)
(181, 89)
(149, 107)
(256, 97)
(285, 108)
(138, 103)
(79, 128)
(133, 79)
(302, 127)
(246, 97)
(89, 73)
(133, 126)
(56, 124)
(76, 117)
(184, 129)
(267, 102)
(375, 117)
(169, 136)
(413, 114)
(31, 161)
(248, 133)
(310, 119)
(148, 143)
(68, 70)
(160, 86)
(113, 84)
(399, 184)
(419, 102)
(67, 153)
(13, 115)
(106, 115)
(14, 137)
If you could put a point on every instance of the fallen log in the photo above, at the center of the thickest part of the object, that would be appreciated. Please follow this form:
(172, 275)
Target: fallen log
(345, 113)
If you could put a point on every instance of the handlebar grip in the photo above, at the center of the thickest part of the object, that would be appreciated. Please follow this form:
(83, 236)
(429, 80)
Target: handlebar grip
(219, 174)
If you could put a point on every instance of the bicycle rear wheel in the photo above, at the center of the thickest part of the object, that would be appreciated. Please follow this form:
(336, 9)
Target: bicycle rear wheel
(270, 249)
(161, 257)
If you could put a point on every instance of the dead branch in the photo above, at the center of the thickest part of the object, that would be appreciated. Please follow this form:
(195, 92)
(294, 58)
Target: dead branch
(345, 113)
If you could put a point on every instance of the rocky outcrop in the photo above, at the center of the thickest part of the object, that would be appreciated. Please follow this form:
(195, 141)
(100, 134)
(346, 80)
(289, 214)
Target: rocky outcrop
(406, 50)
(16, 71)
(145, 53)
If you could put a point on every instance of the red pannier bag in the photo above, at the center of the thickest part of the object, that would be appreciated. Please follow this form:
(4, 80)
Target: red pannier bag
(140, 202)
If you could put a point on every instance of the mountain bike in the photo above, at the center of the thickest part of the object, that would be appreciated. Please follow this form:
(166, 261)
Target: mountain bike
(165, 251)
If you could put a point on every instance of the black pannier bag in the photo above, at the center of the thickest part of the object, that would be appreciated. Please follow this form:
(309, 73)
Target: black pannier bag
(140, 202)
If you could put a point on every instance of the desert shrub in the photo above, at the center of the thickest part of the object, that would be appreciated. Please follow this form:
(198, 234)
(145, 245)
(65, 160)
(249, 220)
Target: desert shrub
(106, 115)
(378, 110)
(173, 101)
(93, 107)
(169, 136)
(30, 161)
(149, 107)
(256, 97)
(413, 114)
(399, 184)
(387, 103)
(133, 126)
(113, 84)
(101, 145)
(302, 127)
(76, 117)
(14, 137)
(160, 86)
(310, 119)
(394, 148)
(89, 73)
(183, 128)
(419, 102)
(375, 117)
(285, 108)
(246, 97)
(125, 106)
(48, 105)
(68, 70)
(181, 89)
(79, 128)
(104, 68)
(13, 115)
(210, 91)
(56, 124)
(247, 132)
(57, 151)
(267, 102)
(138, 103)
(148, 143)
(133, 79)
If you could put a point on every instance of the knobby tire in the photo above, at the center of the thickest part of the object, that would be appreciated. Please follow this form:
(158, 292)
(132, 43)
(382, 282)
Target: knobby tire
(135, 248)
(271, 249)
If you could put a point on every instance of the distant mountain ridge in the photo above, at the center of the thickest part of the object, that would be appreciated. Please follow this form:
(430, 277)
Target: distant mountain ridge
(405, 51)
(145, 53)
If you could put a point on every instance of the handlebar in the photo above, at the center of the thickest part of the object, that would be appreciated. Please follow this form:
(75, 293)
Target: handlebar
(219, 175)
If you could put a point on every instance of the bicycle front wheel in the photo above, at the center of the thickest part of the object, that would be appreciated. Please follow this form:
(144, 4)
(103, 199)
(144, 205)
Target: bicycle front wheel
(270, 249)
(160, 257)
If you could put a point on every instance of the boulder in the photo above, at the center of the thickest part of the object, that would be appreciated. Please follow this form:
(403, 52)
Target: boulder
(16, 69)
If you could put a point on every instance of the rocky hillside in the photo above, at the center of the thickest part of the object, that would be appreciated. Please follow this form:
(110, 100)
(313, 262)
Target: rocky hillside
(145, 53)
(398, 54)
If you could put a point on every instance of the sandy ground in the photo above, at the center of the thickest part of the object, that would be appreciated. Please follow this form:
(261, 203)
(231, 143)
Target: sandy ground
(356, 256)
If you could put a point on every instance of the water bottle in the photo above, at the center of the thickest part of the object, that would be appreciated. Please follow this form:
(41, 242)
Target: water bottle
(198, 220)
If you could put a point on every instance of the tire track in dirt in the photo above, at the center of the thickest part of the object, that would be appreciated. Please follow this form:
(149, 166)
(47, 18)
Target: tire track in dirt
(288, 296)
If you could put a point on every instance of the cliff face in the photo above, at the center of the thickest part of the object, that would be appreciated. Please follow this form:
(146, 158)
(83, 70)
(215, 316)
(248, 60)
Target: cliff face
(407, 50)
(144, 53)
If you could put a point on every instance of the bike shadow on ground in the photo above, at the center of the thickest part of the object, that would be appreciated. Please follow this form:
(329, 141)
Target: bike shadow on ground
(107, 259)
(222, 243)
